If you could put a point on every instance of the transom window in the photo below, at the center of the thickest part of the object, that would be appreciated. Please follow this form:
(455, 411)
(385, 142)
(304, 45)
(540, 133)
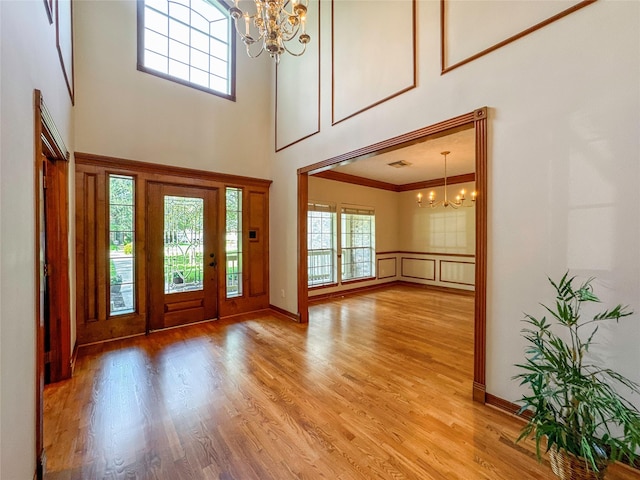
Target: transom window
(189, 42)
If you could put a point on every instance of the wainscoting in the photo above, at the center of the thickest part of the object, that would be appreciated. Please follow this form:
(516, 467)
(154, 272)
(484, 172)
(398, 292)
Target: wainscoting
(455, 271)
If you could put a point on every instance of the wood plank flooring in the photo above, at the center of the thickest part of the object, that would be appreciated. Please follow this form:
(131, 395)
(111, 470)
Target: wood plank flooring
(377, 386)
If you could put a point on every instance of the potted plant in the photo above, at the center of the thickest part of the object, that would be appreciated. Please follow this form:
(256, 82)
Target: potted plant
(573, 403)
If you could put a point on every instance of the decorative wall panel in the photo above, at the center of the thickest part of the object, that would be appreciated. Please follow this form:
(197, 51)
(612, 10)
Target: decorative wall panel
(387, 268)
(298, 87)
(373, 53)
(460, 273)
(470, 30)
(420, 268)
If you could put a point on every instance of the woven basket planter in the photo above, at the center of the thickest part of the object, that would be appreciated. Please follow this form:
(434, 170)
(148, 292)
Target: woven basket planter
(567, 466)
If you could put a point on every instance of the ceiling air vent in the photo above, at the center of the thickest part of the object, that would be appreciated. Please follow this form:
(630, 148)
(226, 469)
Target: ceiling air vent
(399, 164)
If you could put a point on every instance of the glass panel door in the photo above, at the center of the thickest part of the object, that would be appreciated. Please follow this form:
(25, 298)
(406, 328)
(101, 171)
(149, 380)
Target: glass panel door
(182, 239)
(183, 243)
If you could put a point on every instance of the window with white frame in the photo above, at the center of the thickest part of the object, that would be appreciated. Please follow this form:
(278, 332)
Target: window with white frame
(321, 244)
(358, 232)
(189, 42)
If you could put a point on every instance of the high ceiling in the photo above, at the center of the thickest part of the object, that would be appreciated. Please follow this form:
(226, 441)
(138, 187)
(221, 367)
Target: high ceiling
(425, 158)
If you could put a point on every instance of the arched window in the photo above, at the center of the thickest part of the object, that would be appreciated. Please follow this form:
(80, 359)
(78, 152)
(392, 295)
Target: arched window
(188, 41)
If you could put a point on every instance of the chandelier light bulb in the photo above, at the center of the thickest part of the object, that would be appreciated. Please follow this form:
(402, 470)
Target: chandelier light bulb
(460, 199)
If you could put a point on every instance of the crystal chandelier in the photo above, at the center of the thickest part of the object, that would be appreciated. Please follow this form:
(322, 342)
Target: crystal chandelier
(271, 26)
(460, 200)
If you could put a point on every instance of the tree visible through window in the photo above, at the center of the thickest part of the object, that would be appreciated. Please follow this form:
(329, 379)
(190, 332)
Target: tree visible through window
(358, 243)
(189, 42)
(321, 245)
(233, 248)
(121, 245)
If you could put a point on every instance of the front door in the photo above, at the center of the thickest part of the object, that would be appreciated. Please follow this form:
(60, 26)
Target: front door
(183, 251)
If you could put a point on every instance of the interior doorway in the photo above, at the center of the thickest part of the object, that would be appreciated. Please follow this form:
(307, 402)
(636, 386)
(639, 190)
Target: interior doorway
(53, 327)
(183, 255)
(477, 120)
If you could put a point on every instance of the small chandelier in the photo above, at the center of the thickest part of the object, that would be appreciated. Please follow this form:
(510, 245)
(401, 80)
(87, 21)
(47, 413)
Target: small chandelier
(271, 26)
(460, 200)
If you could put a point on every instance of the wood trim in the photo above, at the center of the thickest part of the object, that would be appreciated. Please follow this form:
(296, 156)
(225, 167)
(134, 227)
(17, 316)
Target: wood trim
(357, 280)
(395, 267)
(507, 406)
(479, 393)
(349, 291)
(284, 313)
(356, 180)
(322, 287)
(400, 141)
(279, 149)
(440, 262)
(154, 168)
(404, 283)
(400, 92)
(480, 330)
(513, 38)
(476, 119)
(39, 323)
(74, 359)
(392, 187)
(406, 252)
(50, 151)
(52, 143)
(419, 259)
(142, 68)
(438, 182)
(303, 273)
(67, 70)
(439, 288)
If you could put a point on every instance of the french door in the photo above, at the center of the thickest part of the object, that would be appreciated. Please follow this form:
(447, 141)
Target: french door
(183, 254)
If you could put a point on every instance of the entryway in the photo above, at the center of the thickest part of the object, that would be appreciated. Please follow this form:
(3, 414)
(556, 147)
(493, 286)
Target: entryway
(183, 252)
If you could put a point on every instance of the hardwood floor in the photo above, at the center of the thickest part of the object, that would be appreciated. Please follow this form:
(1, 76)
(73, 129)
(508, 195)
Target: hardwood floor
(377, 386)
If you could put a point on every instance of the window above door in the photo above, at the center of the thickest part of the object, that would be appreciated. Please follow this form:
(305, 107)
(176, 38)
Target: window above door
(190, 42)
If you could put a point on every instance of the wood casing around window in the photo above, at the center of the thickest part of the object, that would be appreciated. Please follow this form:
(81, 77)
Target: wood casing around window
(92, 222)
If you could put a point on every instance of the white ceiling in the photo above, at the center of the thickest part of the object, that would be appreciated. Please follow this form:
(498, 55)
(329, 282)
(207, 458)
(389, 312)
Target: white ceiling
(426, 160)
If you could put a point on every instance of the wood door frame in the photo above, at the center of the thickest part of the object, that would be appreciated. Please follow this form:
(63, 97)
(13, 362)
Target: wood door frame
(48, 144)
(476, 119)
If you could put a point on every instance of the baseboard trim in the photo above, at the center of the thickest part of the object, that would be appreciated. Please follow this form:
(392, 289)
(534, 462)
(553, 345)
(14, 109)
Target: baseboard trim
(437, 288)
(479, 393)
(514, 409)
(350, 291)
(507, 406)
(74, 358)
(285, 313)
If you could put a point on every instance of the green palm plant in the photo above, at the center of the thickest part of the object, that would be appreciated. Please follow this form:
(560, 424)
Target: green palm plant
(574, 403)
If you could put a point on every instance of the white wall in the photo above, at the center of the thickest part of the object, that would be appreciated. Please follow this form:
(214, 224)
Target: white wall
(122, 112)
(29, 60)
(564, 166)
(437, 230)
